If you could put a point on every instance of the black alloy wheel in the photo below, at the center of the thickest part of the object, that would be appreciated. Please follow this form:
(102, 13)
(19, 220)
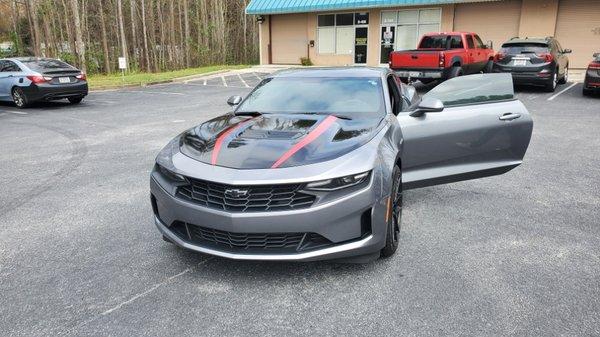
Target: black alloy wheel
(395, 215)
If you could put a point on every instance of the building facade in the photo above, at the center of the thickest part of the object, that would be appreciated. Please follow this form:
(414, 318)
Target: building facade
(363, 32)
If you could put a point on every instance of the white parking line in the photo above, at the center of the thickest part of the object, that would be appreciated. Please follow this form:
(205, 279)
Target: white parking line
(241, 79)
(223, 79)
(204, 83)
(16, 112)
(161, 92)
(215, 85)
(259, 78)
(562, 91)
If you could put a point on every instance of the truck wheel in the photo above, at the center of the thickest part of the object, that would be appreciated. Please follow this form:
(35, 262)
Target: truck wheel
(489, 66)
(455, 72)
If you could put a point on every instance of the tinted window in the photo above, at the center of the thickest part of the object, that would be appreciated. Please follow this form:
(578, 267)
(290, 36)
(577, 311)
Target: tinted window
(352, 97)
(479, 42)
(456, 42)
(439, 41)
(473, 89)
(524, 48)
(344, 19)
(41, 65)
(326, 20)
(9, 66)
(470, 42)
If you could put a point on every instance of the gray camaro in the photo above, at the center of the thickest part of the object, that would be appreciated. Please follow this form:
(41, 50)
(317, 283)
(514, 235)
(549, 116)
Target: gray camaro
(312, 163)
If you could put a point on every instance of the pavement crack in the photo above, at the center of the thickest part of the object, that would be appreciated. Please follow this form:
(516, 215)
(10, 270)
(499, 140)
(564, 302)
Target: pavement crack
(137, 296)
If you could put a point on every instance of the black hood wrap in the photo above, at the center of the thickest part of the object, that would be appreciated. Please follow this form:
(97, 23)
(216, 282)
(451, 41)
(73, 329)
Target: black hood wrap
(245, 142)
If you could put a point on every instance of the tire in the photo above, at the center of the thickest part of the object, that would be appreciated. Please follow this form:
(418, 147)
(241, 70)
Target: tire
(565, 77)
(166, 239)
(551, 85)
(489, 66)
(395, 217)
(455, 72)
(75, 100)
(19, 98)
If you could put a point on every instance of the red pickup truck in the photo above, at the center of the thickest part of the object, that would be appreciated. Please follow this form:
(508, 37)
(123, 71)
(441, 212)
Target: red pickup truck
(441, 56)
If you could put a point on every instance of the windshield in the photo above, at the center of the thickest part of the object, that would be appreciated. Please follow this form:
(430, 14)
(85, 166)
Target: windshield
(524, 48)
(474, 89)
(41, 65)
(354, 97)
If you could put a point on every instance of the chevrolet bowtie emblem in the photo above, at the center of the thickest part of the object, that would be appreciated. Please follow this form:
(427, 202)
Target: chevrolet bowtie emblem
(236, 193)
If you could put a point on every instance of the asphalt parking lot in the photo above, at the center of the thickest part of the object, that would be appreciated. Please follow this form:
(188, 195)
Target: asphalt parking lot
(517, 254)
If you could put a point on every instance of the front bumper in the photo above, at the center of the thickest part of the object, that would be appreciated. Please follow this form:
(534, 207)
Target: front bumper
(341, 222)
(49, 92)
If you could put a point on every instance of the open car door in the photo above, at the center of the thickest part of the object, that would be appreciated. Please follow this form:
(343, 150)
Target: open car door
(465, 128)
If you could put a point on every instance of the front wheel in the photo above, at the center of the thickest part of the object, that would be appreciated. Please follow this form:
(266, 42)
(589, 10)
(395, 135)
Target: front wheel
(394, 214)
(19, 98)
(75, 100)
(565, 77)
(551, 85)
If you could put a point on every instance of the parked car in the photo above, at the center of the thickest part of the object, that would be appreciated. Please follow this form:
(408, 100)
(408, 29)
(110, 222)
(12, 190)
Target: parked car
(313, 163)
(591, 83)
(534, 61)
(25, 80)
(441, 56)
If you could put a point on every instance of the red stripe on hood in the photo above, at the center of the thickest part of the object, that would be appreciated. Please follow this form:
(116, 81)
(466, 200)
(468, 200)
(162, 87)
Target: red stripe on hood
(309, 138)
(221, 138)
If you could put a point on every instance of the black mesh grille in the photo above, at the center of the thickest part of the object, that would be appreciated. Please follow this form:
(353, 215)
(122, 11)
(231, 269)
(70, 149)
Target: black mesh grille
(257, 198)
(258, 242)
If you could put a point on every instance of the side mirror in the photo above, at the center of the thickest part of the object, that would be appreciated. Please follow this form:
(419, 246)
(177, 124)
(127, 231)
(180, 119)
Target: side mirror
(428, 104)
(567, 51)
(234, 100)
(596, 55)
(490, 44)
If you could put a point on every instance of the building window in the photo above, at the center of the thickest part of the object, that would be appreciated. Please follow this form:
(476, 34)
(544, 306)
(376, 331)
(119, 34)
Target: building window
(401, 30)
(335, 32)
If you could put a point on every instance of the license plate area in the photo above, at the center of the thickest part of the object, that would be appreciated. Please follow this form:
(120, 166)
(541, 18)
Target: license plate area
(64, 80)
(414, 73)
(519, 62)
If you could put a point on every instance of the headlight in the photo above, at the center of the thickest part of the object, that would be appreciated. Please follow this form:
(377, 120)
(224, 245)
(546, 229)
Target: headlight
(164, 162)
(338, 183)
(170, 174)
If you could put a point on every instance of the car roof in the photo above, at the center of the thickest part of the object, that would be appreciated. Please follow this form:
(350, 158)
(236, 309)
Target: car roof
(541, 40)
(354, 71)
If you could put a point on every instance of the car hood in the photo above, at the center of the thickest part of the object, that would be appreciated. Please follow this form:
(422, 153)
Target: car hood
(276, 140)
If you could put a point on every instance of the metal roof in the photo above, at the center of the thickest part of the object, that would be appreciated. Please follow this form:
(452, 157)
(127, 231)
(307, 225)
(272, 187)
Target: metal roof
(304, 6)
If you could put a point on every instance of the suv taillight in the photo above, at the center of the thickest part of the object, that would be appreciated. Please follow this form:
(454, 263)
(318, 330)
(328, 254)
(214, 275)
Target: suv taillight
(442, 62)
(499, 56)
(38, 79)
(547, 57)
(594, 65)
(81, 77)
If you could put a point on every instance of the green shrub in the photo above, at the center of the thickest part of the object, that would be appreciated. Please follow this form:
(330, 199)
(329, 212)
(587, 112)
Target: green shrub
(305, 61)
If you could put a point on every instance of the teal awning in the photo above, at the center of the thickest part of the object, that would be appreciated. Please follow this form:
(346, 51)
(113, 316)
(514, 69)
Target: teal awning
(304, 6)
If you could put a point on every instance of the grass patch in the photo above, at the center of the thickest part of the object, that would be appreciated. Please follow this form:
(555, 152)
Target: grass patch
(115, 80)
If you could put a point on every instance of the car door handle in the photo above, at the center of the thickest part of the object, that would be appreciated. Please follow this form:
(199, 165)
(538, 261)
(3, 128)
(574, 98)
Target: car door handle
(509, 116)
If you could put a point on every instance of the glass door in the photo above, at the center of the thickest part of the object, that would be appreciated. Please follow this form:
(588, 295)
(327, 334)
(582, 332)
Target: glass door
(360, 45)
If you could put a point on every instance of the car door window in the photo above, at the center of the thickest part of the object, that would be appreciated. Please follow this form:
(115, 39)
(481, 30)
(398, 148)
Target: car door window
(395, 98)
(470, 42)
(474, 89)
(10, 66)
(479, 43)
